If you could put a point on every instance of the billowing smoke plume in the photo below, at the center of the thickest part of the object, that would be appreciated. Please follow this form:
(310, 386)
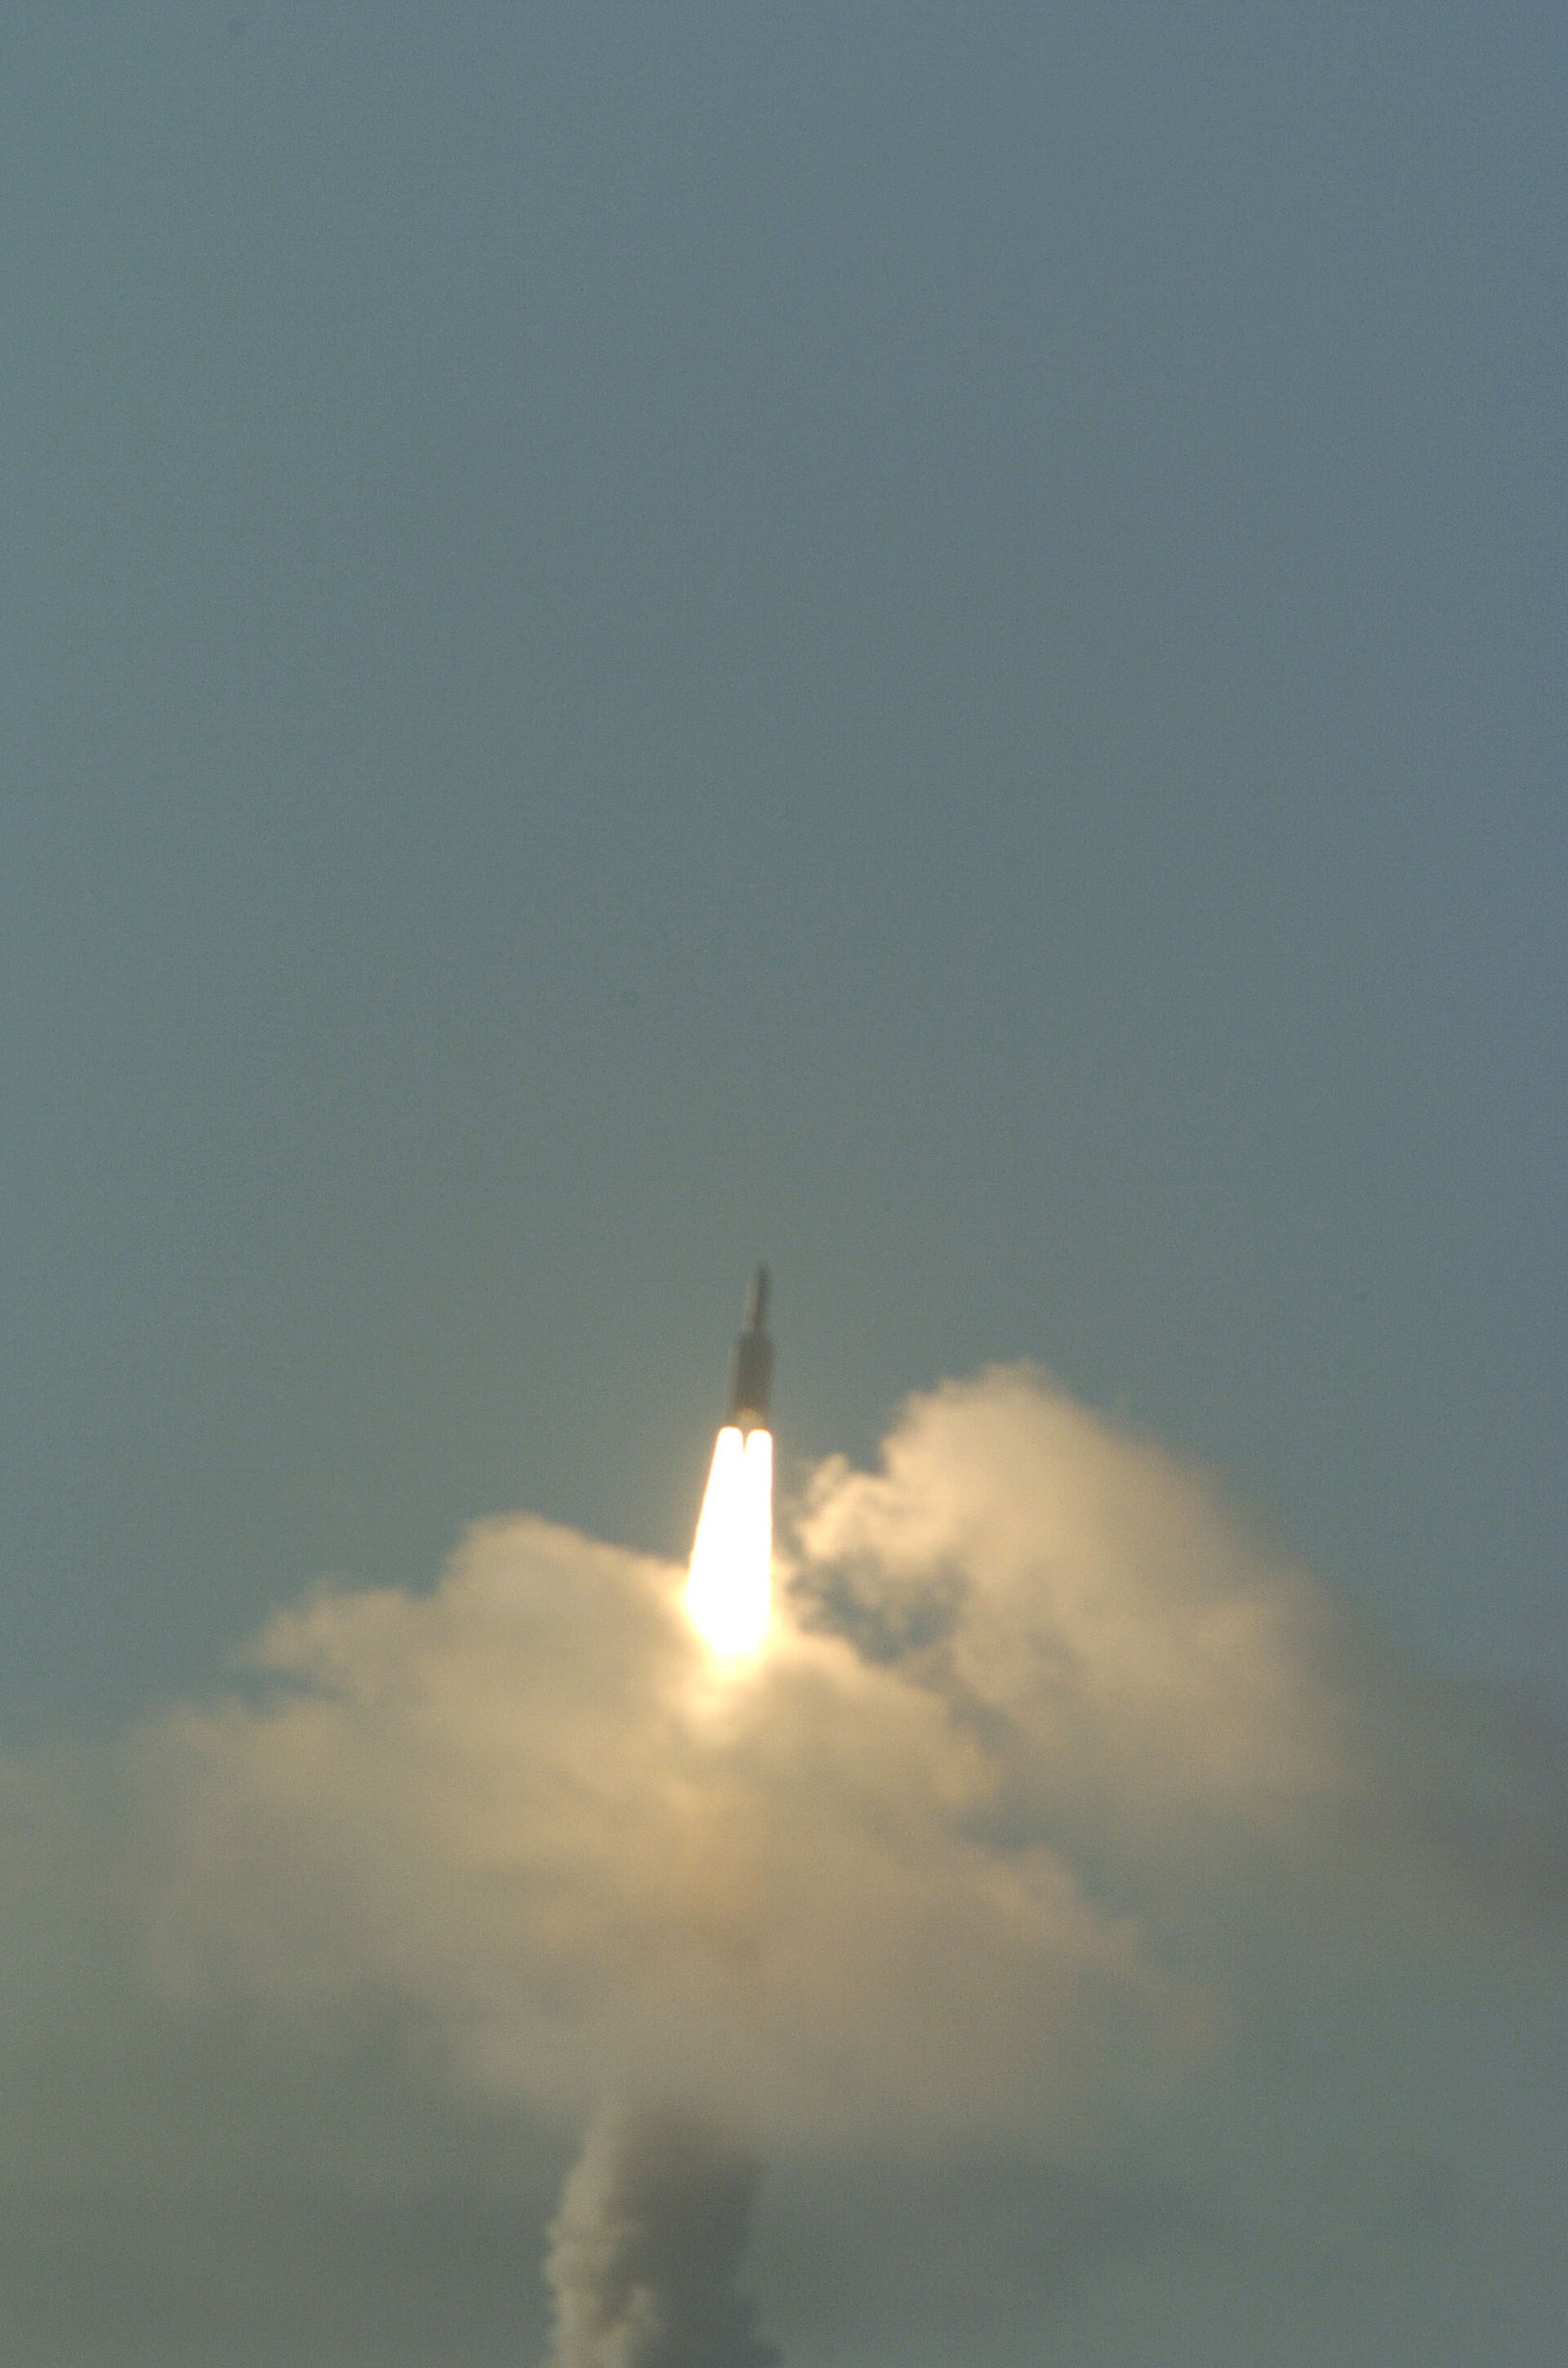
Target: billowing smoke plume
(1064, 1840)
(1055, 1785)
(645, 2249)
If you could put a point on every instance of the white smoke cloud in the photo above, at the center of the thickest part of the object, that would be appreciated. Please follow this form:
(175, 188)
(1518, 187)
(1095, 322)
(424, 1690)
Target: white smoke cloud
(952, 1862)
(524, 1807)
(1071, 1843)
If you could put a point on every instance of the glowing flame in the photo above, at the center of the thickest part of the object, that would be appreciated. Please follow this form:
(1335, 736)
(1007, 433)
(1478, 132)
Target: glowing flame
(729, 1593)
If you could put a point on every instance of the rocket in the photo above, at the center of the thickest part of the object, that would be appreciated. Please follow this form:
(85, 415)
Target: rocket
(751, 1367)
(728, 1588)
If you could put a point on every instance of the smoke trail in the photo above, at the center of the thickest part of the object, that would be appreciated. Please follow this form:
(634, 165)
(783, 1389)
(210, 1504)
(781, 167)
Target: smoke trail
(645, 2247)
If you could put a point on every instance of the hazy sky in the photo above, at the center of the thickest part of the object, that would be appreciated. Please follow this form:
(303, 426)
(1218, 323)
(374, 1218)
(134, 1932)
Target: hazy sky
(923, 641)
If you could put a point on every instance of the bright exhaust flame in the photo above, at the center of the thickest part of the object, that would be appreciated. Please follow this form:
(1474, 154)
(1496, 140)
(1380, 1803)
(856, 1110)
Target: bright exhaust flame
(729, 1593)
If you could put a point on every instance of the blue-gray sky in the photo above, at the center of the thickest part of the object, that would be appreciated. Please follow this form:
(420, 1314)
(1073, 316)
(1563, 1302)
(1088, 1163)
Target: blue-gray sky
(923, 641)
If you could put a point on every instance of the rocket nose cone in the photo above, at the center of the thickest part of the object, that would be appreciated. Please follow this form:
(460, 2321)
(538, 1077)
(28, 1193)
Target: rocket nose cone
(756, 1301)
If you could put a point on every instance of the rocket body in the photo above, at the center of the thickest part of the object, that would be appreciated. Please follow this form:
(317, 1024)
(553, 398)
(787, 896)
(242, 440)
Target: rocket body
(751, 1367)
(728, 1588)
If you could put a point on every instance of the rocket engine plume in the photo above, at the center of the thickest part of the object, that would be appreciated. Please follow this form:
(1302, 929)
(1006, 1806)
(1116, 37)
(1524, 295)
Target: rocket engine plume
(729, 1593)
(729, 1590)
